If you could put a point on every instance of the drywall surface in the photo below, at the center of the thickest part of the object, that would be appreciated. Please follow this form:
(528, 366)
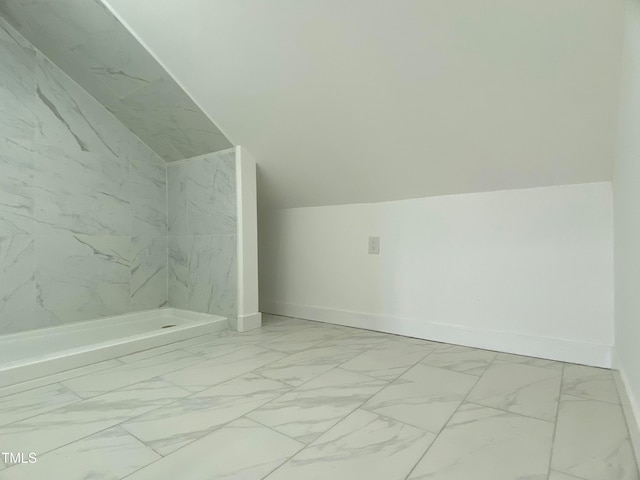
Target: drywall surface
(526, 271)
(360, 101)
(627, 219)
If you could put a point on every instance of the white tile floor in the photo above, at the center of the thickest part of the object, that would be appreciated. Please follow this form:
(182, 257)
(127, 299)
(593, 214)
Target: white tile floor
(302, 400)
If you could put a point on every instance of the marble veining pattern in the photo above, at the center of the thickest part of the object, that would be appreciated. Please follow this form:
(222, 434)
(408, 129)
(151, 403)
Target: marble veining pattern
(17, 283)
(83, 217)
(17, 89)
(99, 53)
(16, 187)
(202, 223)
(248, 406)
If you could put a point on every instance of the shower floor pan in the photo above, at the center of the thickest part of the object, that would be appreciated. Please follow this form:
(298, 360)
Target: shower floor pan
(36, 353)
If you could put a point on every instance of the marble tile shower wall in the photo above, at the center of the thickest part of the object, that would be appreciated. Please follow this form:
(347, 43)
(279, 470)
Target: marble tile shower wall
(83, 229)
(202, 234)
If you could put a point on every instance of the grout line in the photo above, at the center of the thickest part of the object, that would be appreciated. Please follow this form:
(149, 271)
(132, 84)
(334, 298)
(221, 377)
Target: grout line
(509, 412)
(555, 423)
(445, 424)
(254, 371)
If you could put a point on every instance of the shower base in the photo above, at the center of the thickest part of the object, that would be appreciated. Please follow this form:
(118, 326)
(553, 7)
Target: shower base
(36, 353)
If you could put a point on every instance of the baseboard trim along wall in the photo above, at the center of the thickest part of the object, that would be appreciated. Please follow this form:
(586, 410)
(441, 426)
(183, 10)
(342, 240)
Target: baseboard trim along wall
(543, 347)
(244, 323)
(630, 405)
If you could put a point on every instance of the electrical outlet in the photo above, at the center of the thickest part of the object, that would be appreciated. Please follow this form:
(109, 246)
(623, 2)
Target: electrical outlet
(374, 245)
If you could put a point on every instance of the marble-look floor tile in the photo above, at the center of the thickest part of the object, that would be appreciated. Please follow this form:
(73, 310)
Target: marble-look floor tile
(589, 382)
(151, 352)
(356, 341)
(592, 441)
(34, 402)
(414, 341)
(57, 377)
(188, 419)
(16, 188)
(241, 450)
(219, 369)
(531, 361)
(301, 367)
(258, 336)
(363, 445)
(17, 284)
(54, 429)
(219, 348)
(186, 345)
(304, 339)
(81, 277)
(519, 388)
(111, 454)
(148, 272)
(424, 397)
(311, 409)
(461, 359)
(553, 475)
(482, 443)
(107, 380)
(388, 360)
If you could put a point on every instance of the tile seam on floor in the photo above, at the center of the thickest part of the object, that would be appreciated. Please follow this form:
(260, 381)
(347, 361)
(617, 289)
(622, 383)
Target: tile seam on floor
(312, 444)
(359, 406)
(379, 378)
(78, 400)
(555, 424)
(214, 431)
(198, 393)
(203, 359)
(162, 346)
(97, 431)
(59, 381)
(508, 411)
(444, 426)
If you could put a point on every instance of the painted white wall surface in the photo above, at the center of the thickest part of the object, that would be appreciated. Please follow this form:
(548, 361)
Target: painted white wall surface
(526, 271)
(364, 101)
(249, 316)
(627, 221)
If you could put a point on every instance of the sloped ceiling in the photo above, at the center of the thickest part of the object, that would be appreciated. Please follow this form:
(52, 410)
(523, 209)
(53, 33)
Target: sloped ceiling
(344, 101)
(86, 41)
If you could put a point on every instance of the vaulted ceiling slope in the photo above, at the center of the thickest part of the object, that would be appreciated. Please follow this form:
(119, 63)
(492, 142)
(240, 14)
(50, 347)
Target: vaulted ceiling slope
(87, 42)
(344, 101)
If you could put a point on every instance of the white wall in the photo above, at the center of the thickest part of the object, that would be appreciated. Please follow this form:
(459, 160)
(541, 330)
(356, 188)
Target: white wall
(627, 218)
(464, 96)
(528, 271)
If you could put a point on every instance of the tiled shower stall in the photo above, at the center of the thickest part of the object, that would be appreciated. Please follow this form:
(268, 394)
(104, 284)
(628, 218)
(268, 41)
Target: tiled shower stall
(93, 223)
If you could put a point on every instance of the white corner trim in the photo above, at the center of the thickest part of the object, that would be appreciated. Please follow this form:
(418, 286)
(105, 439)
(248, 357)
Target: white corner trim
(543, 347)
(630, 405)
(244, 323)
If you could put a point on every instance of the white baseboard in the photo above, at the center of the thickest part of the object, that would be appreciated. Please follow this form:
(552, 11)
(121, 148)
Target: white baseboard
(630, 405)
(509, 342)
(244, 323)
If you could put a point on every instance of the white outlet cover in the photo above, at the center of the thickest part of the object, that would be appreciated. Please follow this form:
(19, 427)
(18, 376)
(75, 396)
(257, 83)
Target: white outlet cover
(374, 245)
